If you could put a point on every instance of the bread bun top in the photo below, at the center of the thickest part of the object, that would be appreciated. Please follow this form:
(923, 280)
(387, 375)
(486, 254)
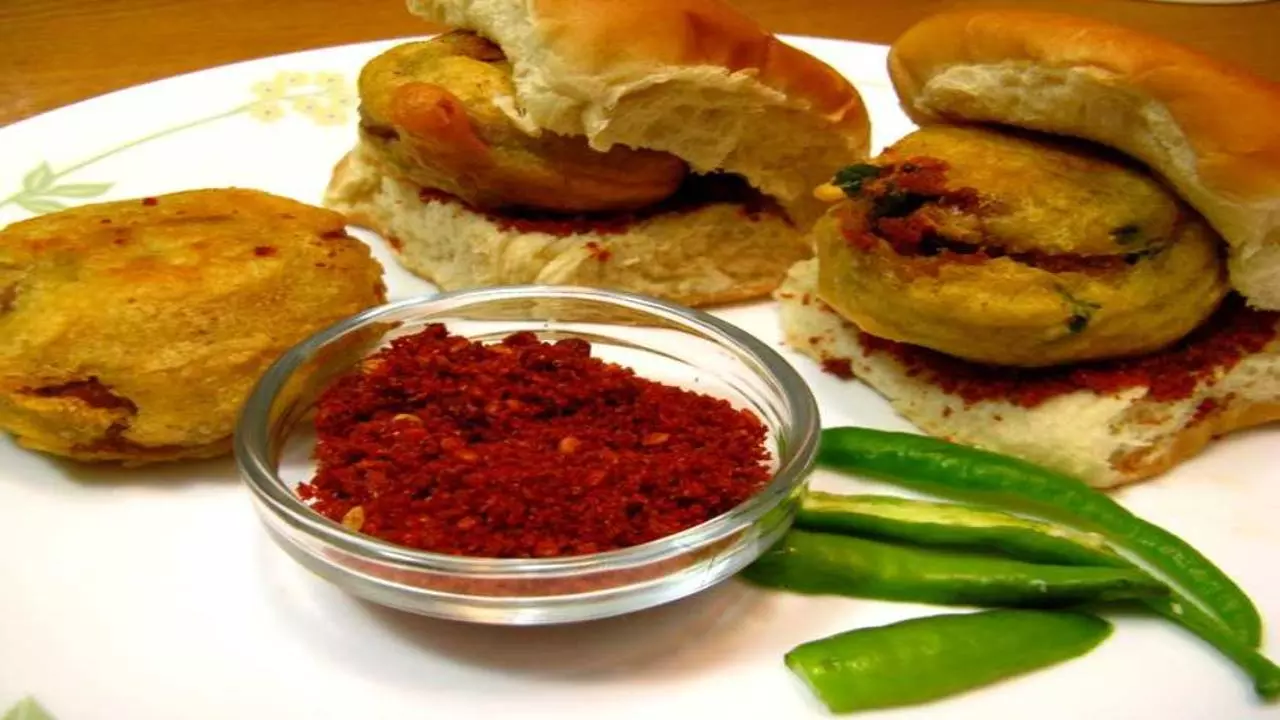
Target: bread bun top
(694, 78)
(1210, 129)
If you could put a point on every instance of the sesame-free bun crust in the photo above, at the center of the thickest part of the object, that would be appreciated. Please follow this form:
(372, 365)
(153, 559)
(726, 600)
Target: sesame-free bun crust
(705, 256)
(1106, 441)
(694, 78)
(1209, 128)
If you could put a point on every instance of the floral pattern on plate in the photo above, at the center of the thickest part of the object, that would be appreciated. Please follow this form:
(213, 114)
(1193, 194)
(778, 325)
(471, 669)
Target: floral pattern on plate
(325, 98)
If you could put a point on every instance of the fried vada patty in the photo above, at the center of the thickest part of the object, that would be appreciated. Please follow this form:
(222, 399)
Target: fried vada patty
(1019, 250)
(432, 111)
(134, 330)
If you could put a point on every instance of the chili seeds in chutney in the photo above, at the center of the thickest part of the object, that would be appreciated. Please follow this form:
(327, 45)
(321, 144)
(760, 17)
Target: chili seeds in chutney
(524, 449)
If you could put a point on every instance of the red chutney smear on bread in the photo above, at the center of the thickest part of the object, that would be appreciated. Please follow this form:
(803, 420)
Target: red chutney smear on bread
(697, 192)
(1219, 344)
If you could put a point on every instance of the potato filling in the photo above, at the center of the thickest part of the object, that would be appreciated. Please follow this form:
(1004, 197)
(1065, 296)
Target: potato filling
(1013, 250)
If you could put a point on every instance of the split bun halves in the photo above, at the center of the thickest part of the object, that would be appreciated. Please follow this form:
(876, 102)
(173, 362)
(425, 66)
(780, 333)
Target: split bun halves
(752, 123)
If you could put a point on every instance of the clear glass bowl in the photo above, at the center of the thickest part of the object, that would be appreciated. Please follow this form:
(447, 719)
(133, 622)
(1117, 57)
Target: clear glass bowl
(662, 341)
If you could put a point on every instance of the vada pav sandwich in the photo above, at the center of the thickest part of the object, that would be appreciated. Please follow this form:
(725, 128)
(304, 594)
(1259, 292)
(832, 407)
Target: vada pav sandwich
(1072, 260)
(668, 147)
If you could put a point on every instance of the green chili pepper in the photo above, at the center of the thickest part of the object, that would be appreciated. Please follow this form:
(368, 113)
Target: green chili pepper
(930, 523)
(946, 524)
(925, 659)
(924, 462)
(1264, 673)
(828, 564)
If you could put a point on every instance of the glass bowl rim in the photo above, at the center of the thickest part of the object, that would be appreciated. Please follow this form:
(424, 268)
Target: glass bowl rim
(253, 429)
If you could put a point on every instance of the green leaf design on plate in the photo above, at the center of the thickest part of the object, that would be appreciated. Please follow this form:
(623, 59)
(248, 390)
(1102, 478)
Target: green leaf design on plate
(39, 179)
(324, 97)
(38, 205)
(83, 190)
(27, 709)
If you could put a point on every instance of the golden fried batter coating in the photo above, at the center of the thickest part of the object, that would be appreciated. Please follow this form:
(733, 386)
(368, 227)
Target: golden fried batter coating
(994, 250)
(134, 330)
(1044, 194)
(432, 110)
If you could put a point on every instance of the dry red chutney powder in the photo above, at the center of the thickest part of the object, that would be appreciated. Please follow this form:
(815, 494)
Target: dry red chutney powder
(524, 449)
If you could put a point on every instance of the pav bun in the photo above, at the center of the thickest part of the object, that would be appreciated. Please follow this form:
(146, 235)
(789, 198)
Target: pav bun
(1208, 128)
(715, 253)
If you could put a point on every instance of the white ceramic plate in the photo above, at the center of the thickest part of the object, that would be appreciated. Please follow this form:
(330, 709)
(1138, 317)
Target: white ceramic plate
(155, 594)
